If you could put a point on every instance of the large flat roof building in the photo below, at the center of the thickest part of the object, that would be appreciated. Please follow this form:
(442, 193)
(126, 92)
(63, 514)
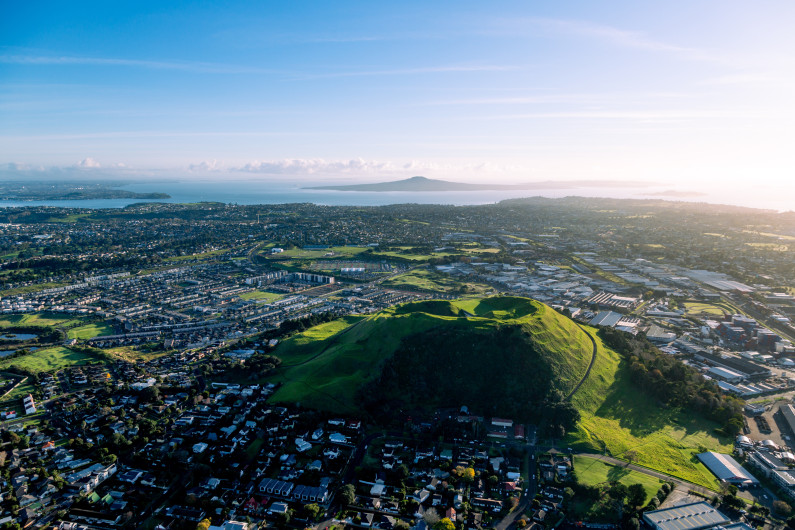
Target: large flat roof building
(725, 374)
(695, 516)
(727, 469)
(788, 412)
(754, 371)
(606, 318)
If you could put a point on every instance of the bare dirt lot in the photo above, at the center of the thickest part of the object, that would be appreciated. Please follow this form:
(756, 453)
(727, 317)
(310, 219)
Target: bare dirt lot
(776, 424)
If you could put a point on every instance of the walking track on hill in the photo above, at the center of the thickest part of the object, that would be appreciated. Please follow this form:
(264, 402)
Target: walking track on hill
(588, 371)
(332, 342)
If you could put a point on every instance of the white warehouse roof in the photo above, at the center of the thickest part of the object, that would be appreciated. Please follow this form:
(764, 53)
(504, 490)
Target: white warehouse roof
(726, 468)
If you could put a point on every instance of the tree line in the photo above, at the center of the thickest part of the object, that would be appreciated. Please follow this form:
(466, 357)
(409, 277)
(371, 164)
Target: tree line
(670, 381)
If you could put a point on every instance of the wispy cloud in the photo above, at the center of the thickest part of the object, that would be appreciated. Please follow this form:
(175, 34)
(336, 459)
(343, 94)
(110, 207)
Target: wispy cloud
(85, 169)
(621, 37)
(642, 115)
(518, 100)
(298, 166)
(187, 66)
(765, 79)
(217, 68)
(206, 166)
(543, 99)
(358, 167)
(616, 36)
(414, 71)
(341, 39)
(145, 134)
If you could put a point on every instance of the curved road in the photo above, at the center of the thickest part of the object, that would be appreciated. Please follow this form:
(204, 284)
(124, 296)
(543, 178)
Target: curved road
(590, 365)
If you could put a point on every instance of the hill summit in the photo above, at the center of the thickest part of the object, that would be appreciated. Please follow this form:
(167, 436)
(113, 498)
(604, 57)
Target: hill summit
(499, 356)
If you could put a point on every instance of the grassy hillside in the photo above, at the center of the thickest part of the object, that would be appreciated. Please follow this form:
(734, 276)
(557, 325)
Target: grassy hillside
(616, 417)
(326, 366)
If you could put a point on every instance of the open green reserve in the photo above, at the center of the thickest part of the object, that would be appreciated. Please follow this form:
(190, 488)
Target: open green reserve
(592, 472)
(428, 280)
(49, 360)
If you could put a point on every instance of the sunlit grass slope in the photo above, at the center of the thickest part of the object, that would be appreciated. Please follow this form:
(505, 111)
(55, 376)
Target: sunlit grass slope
(325, 366)
(617, 417)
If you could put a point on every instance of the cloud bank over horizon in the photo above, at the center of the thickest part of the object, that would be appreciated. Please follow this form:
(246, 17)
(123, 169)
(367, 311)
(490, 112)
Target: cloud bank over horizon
(509, 91)
(300, 169)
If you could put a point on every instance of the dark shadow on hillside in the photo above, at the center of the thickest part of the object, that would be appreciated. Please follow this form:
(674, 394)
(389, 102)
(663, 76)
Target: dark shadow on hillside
(432, 307)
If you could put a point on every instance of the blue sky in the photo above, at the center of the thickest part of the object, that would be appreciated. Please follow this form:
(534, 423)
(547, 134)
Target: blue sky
(676, 91)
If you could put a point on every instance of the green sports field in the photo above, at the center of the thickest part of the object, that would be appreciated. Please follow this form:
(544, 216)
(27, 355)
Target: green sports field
(89, 331)
(48, 360)
(261, 295)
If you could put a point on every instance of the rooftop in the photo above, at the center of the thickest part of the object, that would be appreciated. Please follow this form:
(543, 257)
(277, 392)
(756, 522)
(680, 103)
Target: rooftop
(695, 516)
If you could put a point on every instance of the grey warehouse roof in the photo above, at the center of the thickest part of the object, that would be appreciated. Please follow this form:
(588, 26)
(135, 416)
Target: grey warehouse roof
(606, 318)
(726, 468)
(695, 516)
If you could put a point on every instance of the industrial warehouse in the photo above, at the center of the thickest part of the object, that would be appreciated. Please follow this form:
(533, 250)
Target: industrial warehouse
(695, 516)
(727, 469)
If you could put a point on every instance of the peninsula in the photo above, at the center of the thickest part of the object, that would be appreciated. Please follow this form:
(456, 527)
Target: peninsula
(69, 190)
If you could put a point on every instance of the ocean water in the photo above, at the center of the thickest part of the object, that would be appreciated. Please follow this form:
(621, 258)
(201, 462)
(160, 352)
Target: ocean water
(252, 192)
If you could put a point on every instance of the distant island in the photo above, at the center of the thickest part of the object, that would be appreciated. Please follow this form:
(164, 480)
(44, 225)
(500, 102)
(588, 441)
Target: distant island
(70, 191)
(676, 193)
(423, 184)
